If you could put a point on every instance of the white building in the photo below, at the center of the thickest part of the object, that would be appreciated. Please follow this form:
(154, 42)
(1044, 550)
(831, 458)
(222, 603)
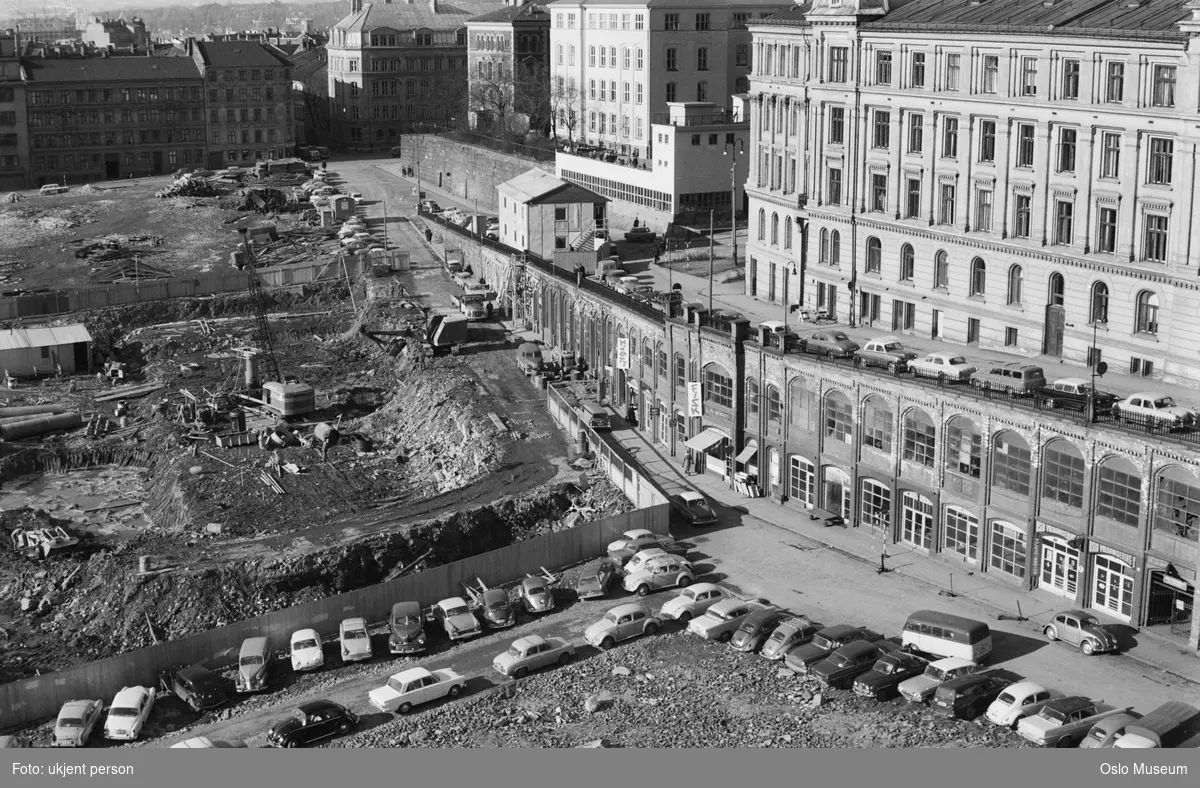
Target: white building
(542, 214)
(620, 62)
(984, 174)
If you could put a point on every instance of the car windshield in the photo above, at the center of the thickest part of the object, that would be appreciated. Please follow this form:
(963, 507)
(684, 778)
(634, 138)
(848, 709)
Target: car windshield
(936, 673)
(306, 644)
(513, 651)
(822, 642)
(297, 714)
(1053, 715)
(457, 611)
(688, 594)
(1007, 697)
(408, 620)
(778, 635)
(120, 711)
(70, 722)
(957, 360)
(251, 661)
(355, 634)
(718, 615)
(1164, 402)
(498, 607)
(839, 661)
(885, 666)
(611, 617)
(537, 591)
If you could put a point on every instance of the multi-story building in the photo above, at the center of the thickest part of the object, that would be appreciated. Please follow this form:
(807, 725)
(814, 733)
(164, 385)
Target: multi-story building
(248, 94)
(948, 173)
(14, 125)
(396, 68)
(310, 96)
(119, 33)
(623, 61)
(508, 65)
(98, 118)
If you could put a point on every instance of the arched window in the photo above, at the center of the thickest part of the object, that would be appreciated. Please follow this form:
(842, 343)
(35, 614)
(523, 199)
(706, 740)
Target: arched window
(751, 402)
(876, 427)
(774, 405)
(978, 277)
(824, 254)
(1016, 280)
(839, 417)
(941, 270)
(835, 248)
(964, 446)
(802, 406)
(1147, 313)
(1120, 491)
(762, 224)
(558, 53)
(787, 232)
(680, 371)
(1178, 510)
(774, 229)
(919, 437)
(1058, 288)
(874, 255)
(1063, 472)
(1099, 303)
(960, 533)
(908, 263)
(1011, 463)
(718, 386)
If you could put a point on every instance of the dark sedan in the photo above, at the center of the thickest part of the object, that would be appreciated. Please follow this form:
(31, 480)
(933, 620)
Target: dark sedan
(882, 680)
(840, 668)
(694, 508)
(197, 686)
(968, 696)
(834, 344)
(596, 578)
(757, 628)
(495, 610)
(317, 719)
(827, 641)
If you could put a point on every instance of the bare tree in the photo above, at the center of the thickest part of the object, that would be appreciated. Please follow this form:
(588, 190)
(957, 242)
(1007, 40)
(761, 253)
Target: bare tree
(491, 95)
(564, 107)
(532, 95)
(312, 84)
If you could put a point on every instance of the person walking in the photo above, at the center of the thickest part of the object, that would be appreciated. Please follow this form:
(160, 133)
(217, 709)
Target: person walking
(688, 464)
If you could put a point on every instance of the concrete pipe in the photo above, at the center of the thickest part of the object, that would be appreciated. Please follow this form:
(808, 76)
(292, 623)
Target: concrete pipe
(41, 425)
(31, 410)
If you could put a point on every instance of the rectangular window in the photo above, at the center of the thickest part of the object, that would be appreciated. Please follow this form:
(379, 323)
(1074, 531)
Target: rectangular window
(987, 141)
(1008, 549)
(837, 125)
(1063, 475)
(834, 193)
(1154, 243)
(983, 210)
(701, 59)
(1162, 152)
(1010, 337)
(1025, 145)
(718, 389)
(703, 21)
(991, 73)
(916, 133)
(912, 199)
(1067, 139)
(904, 315)
(1114, 84)
(1029, 76)
(1106, 230)
(1011, 466)
(953, 67)
(878, 192)
(883, 67)
(1164, 86)
(1110, 155)
(838, 58)
(919, 439)
(1120, 495)
(1064, 221)
(671, 21)
(1070, 79)
(946, 205)
(916, 72)
(950, 138)
(883, 128)
(839, 420)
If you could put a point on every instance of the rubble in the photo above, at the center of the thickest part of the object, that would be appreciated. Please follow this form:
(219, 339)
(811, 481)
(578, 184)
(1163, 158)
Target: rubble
(189, 186)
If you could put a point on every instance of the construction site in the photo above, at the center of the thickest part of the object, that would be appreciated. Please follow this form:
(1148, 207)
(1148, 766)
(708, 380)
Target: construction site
(212, 459)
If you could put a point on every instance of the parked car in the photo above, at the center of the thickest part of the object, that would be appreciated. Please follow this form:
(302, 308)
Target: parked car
(495, 609)
(355, 640)
(453, 215)
(640, 235)
(919, 689)
(966, 697)
(1011, 378)
(834, 344)
(77, 722)
(801, 659)
(1081, 629)
(311, 721)
(429, 206)
(1150, 409)
(205, 743)
(53, 188)
(621, 623)
(1063, 722)
(694, 508)
(945, 366)
(628, 285)
(306, 650)
(476, 288)
(840, 668)
(634, 541)
(721, 620)
(1173, 725)
(414, 687)
(406, 627)
(1108, 730)
(757, 627)
(693, 601)
(885, 352)
(790, 634)
(536, 594)
(596, 578)
(888, 672)
(128, 713)
(454, 616)
(13, 742)
(642, 558)
(254, 665)
(197, 686)
(531, 653)
(1017, 702)
(659, 572)
(1072, 394)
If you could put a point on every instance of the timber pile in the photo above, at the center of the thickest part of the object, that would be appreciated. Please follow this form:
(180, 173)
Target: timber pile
(189, 186)
(130, 270)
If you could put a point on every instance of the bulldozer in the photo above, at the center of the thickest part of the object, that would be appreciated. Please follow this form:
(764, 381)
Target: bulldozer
(37, 544)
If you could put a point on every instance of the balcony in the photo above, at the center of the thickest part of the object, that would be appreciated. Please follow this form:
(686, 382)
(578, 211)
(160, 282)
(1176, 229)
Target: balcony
(724, 117)
(609, 156)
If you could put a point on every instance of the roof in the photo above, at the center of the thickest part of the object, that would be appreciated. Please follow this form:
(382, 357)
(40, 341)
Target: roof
(357, 621)
(410, 674)
(129, 695)
(1022, 688)
(690, 496)
(406, 607)
(252, 645)
(316, 705)
(621, 610)
(1069, 704)
(726, 604)
(633, 533)
(301, 634)
(249, 54)
(950, 663)
(529, 640)
(838, 630)
(24, 338)
(858, 647)
(494, 594)
(109, 69)
(533, 582)
(529, 12)
(704, 587)
(453, 601)
(75, 706)
(415, 15)
(539, 186)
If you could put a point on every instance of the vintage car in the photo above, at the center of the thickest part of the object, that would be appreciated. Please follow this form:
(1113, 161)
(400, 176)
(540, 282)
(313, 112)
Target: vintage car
(254, 665)
(306, 650)
(205, 743)
(829, 343)
(1017, 702)
(1073, 394)
(1011, 378)
(406, 628)
(643, 557)
(1108, 730)
(886, 675)
(919, 689)
(659, 572)
(693, 601)
(429, 206)
(632, 542)
(792, 633)
(621, 623)
(757, 627)
(966, 697)
(197, 686)
(886, 352)
(596, 578)
(694, 508)
(455, 618)
(721, 620)
(355, 640)
(414, 687)
(316, 719)
(495, 609)
(536, 594)
(1150, 409)
(640, 235)
(802, 658)
(128, 713)
(531, 653)
(1081, 629)
(76, 722)
(840, 668)
(943, 366)
(1064, 722)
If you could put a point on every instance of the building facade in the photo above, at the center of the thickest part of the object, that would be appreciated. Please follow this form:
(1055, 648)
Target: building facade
(248, 101)
(623, 62)
(547, 216)
(14, 123)
(508, 67)
(398, 68)
(117, 33)
(99, 118)
(310, 96)
(967, 176)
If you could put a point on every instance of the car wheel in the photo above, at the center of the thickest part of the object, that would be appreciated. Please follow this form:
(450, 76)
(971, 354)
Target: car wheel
(405, 708)
(291, 743)
(685, 617)
(1063, 743)
(456, 690)
(725, 637)
(684, 581)
(643, 590)
(1088, 648)
(194, 704)
(607, 643)
(564, 658)
(344, 728)
(1050, 634)
(651, 629)
(521, 673)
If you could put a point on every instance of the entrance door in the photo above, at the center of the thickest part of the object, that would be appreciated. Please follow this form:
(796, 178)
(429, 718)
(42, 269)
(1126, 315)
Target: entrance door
(1060, 566)
(935, 331)
(681, 435)
(752, 277)
(1112, 587)
(773, 466)
(837, 492)
(1171, 600)
(916, 520)
(870, 308)
(81, 357)
(1056, 321)
(802, 483)
(831, 299)
(112, 165)
(158, 162)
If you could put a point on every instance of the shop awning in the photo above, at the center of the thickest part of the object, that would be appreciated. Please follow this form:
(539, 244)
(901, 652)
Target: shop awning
(705, 440)
(748, 453)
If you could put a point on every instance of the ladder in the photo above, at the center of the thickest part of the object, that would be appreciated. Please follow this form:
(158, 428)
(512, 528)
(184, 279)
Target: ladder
(260, 304)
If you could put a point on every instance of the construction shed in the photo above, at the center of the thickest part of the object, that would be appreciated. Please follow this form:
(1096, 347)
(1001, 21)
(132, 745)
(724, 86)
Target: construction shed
(32, 351)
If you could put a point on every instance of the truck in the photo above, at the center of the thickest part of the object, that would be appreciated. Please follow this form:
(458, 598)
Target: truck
(445, 333)
(454, 261)
(473, 305)
(1167, 727)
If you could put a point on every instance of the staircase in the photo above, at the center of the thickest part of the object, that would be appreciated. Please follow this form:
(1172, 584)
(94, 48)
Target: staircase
(586, 242)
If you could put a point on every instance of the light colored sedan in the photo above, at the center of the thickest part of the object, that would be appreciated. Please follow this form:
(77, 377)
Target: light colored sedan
(789, 635)
(639, 561)
(721, 620)
(1063, 722)
(1017, 702)
(920, 689)
(306, 650)
(635, 540)
(355, 640)
(129, 711)
(76, 722)
(694, 601)
(661, 572)
(621, 623)
(531, 653)
(942, 365)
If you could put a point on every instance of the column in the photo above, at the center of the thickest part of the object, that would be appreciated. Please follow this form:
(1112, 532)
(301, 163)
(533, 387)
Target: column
(1042, 217)
(1127, 237)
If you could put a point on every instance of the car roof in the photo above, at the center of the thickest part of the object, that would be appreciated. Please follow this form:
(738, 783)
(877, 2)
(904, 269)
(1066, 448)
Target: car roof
(533, 582)
(950, 663)
(636, 532)
(838, 630)
(759, 617)
(317, 705)
(527, 641)
(650, 552)
(354, 623)
(966, 681)
(75, 705)
(728, 604)
(129, 695)
(406, 608)
(1077, 613)
(411, 674)
(494, 594)
(857, 647)
(706, 587)
(303, 634)
(1150, 394)
(1070, 382)
(622, 610)
(194, 672)
(690, 496)
(1071, 703)
(252, 645)
(886, 340)
(452, 601)
(1022, 688)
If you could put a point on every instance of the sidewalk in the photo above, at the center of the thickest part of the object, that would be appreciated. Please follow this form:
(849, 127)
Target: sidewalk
(864, 545)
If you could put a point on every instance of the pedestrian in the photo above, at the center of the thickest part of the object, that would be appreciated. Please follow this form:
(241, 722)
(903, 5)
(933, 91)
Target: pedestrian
(428, 235)
(687, 464)
(636, 222)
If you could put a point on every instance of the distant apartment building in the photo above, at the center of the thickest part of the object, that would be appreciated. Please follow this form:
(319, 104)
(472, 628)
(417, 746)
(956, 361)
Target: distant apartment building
(14, 126)
(624, 61)
(99, 118)
(398, 68)
(310, 97)
(248, 101)
(117, 33)
(509, 65)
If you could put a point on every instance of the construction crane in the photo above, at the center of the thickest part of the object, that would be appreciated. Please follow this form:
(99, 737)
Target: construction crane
(260, 303)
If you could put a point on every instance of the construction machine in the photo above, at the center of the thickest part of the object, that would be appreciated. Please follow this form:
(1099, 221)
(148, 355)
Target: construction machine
(37, 544)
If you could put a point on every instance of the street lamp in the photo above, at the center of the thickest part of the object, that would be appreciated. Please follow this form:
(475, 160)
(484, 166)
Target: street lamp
(788, 267)
(737, 146)
(1099, 312)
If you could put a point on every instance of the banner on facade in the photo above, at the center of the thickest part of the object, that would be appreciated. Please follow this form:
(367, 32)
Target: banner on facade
(623, 353)
(695, 403)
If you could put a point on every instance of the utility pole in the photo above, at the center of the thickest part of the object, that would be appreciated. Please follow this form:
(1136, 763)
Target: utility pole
(733, 193)
(711, 255)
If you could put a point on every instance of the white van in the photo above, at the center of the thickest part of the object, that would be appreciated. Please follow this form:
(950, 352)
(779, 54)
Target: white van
(946, 635)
